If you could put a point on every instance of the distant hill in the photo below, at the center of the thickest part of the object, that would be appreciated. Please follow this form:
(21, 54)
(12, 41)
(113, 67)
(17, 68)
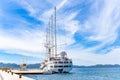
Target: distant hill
(37, 65)
(9, 65)
(16, 66)
(31, 66)
(98, 66)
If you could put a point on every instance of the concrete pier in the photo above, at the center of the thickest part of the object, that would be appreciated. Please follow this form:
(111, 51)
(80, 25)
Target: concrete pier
(27, 72)
(11, 76)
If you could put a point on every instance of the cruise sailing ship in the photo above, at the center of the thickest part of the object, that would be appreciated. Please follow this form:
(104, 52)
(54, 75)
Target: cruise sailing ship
(55, 62)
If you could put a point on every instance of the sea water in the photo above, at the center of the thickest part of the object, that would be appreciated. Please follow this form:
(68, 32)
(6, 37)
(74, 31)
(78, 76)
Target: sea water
(83, 74)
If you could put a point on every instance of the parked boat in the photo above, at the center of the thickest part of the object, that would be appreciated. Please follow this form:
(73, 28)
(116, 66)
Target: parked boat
(55, 62)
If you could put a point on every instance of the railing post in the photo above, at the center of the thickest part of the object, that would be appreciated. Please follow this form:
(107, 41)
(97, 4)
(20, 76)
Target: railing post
(20, 75)
(11, 73)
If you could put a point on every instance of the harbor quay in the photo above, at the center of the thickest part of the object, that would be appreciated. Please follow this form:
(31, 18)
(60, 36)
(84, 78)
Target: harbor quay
(8, 75)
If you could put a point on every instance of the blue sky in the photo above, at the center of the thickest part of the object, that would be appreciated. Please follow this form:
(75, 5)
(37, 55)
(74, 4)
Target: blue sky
(89, 28)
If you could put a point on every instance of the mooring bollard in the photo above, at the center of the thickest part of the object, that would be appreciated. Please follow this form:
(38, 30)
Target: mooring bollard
(11, 73)
(20, 75)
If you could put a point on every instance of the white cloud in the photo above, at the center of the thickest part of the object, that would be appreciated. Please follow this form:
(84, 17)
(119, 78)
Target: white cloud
(25, 44)
(61, 4)
(84, 57)
(35, 8)
(1, 12)
(103, 25)
(39, 10)
(47, 13)
(27, 6)
(69, 24)
(104, 22)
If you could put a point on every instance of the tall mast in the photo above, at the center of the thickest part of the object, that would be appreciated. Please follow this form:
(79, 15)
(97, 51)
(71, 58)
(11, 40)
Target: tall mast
(49, 39)
(48, 49)
(46, 44)
(55, 33)
(52, 36)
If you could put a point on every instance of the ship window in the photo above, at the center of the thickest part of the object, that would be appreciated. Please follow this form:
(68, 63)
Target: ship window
(55, 62)
(67, 66)
(60, 62)
(60, 66)
(51, 66)
(71, 62)
(55, 66)
(65, 62)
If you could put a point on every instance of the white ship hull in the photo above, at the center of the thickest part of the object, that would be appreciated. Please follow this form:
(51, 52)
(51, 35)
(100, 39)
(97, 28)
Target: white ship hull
(57, 66)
